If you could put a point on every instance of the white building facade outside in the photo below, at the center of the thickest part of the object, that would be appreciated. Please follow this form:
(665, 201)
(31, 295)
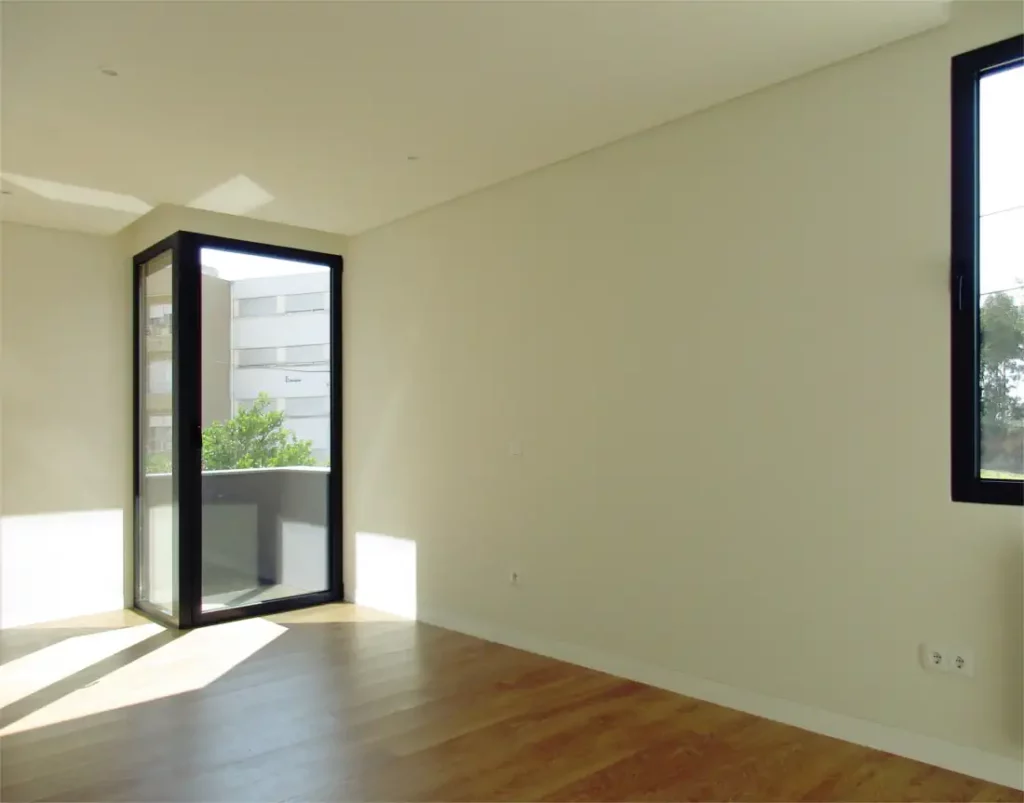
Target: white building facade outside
(280, 345)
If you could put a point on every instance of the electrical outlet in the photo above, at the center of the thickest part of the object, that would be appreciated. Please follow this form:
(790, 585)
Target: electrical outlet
(961, 661)
(954, 660)
(934, 659)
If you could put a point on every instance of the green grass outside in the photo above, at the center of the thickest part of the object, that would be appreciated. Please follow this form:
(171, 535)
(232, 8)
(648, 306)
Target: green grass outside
(1000, 475)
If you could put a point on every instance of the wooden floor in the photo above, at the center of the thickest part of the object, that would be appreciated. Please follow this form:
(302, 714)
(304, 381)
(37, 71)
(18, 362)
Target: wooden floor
(340, 703)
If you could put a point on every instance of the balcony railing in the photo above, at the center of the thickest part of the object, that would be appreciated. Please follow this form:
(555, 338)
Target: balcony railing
(283, 537)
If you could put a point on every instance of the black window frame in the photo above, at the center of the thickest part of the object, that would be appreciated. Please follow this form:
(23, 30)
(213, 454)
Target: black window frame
(185, 250)
(967, 71)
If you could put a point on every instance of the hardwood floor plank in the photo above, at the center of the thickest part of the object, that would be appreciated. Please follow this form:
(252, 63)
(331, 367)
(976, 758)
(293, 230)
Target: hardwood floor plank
(344, 703)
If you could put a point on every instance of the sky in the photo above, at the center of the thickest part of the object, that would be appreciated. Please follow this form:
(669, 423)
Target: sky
(1001, 179)
(232, 266)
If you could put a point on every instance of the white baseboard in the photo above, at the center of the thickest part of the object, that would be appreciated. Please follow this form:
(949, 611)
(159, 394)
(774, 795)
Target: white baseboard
(966, 760)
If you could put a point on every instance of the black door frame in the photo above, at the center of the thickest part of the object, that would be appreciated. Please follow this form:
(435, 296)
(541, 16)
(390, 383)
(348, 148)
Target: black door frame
(186, 373)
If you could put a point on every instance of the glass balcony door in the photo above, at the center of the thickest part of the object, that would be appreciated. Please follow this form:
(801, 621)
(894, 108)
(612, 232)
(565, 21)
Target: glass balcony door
(238, 429)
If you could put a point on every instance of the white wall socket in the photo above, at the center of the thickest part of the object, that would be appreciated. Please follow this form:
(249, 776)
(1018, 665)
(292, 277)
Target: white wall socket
(954, 660)
(961, 661)
(933, 658)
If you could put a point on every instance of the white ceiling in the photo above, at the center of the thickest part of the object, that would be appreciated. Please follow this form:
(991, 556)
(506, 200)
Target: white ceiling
(307, 113)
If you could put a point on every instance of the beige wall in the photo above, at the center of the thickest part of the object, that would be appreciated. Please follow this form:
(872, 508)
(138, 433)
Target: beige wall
(167, 219)
(723, 346)
(65, 482)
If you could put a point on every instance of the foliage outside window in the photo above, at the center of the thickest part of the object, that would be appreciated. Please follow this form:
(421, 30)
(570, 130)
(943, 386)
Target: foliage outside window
(255, 438)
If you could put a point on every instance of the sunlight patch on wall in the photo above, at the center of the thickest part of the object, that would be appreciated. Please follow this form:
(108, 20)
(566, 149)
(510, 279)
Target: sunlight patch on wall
(31, 673)
(83, 196)
(186, 664)
(60, 565)
(236, 196)
(386, 573)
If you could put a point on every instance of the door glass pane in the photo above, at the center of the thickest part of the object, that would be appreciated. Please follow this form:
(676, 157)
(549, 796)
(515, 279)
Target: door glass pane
(1001, 273)
(157, 540)
(266, 429)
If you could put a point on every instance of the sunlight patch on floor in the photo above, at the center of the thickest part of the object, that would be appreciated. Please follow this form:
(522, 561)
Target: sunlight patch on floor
(31, 673)
(190, 662)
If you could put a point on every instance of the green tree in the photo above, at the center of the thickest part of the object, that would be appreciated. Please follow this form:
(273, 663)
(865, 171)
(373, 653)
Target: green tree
(254, 438)
(1002, 373)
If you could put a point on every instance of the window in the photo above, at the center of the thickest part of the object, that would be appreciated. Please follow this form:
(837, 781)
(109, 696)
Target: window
(160, 377)
(315, 354)
(307, 355)
(160, 439)
(988, 274)
(253, 357)
(305, 302)
(250, 307)
(159, 322)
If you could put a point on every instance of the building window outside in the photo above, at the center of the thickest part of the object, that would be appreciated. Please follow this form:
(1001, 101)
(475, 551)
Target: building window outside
(160, 377)
(159, 319)
(988, 274)
(247, 358)
(306, 302)
(314, 354)
(307, 355)
(293, 303)
(252, 307)
(160, 440)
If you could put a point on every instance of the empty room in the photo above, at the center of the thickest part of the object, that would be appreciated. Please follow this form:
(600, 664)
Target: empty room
(476, 401)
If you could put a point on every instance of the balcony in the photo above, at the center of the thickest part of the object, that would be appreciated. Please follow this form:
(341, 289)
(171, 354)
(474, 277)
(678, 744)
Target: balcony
(264, 533)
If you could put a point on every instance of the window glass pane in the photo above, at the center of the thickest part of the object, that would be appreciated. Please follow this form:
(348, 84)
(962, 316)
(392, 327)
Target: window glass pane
(248, 307)
(305, 302)
(1001, 272)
